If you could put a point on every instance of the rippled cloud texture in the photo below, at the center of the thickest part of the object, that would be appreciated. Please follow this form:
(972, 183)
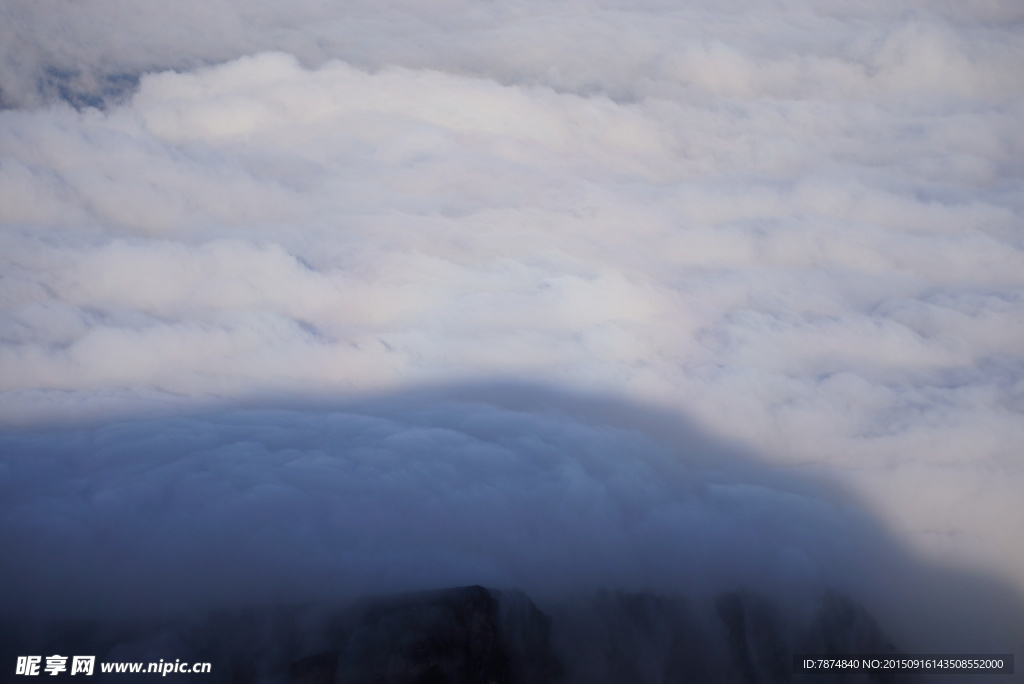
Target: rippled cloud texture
(799, 223)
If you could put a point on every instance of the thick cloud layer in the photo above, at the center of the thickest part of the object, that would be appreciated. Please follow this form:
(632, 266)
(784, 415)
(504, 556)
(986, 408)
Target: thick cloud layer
(263, 507)
(841, 49)
(382, 498)
(798, 223)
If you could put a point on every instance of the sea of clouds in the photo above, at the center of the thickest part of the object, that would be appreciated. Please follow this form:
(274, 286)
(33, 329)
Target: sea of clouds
(798, 225)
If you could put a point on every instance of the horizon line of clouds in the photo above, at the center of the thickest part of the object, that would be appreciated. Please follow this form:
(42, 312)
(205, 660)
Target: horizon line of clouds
(722, 49)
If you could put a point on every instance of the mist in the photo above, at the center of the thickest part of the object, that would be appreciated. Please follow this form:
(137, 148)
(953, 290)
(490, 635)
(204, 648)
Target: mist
(511, 486)
(250, 251)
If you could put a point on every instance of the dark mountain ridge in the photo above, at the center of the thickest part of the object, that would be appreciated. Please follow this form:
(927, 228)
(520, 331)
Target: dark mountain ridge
(475, 635)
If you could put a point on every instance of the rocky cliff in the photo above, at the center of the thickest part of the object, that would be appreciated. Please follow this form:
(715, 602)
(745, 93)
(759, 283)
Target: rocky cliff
(474, 635)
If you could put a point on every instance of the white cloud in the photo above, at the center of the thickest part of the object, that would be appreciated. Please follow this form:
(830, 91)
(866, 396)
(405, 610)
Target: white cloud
(798, 223)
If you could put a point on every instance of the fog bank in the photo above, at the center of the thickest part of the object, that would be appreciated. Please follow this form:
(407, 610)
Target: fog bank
(797, 224)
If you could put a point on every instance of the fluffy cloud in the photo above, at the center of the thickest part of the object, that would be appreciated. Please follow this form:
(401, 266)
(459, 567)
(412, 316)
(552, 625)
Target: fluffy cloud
(797, 223)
